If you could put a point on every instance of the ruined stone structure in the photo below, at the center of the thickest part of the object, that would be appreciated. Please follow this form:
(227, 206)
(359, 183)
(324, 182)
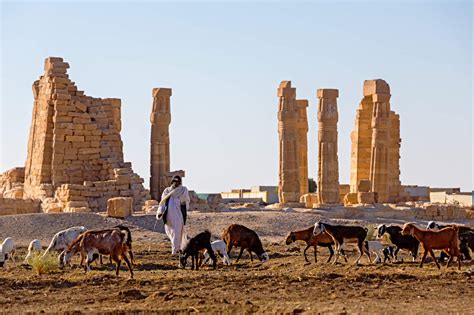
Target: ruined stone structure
(75, 157)
(160, 142)
(376, 144)
(303, 146)
(328, 167)
(289, 181)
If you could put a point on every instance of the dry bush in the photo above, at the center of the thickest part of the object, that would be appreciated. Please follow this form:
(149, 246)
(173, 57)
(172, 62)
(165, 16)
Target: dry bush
(43, 265)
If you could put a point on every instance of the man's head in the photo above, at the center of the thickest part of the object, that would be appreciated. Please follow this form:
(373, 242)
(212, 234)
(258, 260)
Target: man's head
(176, 181)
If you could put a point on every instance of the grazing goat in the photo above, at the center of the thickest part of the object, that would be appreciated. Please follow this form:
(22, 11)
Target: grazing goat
(62, 240)
(7, 251)
(344, 234)
(306, 235)
(219, 248)
(192, 248)
(113, 242)
(445, 239)
(466, 242)
(245, 238)
(400, 241)
(34, 247)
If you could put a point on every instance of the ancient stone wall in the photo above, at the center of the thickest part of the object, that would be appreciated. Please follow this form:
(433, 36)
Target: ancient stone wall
(160, 142)
(289, 184)
(10, 206)
(75, 142)
(328, 165)
(303, 146)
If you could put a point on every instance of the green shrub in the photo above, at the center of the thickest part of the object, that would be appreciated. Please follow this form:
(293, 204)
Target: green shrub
(43, 265)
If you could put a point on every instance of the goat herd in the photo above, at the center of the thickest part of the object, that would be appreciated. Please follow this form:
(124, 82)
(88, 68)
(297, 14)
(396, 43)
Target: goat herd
(453, 240)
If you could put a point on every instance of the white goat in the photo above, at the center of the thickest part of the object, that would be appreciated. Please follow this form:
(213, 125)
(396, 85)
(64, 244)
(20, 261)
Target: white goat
(7, 251)
(62, 240)
(219, 247)
(34, 247)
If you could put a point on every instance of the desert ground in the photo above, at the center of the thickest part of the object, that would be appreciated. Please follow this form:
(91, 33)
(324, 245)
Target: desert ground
(285, 284)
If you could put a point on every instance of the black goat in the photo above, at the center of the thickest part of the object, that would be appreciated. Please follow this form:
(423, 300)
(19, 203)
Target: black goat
(341, 234)
(400, 241)
(197, 243)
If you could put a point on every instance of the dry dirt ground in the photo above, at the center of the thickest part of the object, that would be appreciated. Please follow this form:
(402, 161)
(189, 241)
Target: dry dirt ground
(284, 284)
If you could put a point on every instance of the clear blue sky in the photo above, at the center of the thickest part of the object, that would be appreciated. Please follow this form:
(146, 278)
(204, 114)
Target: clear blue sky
(224, 62)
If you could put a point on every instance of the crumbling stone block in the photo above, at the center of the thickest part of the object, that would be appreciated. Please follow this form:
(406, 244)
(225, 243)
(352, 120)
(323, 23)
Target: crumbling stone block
(119, 207)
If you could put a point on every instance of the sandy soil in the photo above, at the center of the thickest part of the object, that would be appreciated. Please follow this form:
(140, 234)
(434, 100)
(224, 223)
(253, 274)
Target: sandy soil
(284, 284)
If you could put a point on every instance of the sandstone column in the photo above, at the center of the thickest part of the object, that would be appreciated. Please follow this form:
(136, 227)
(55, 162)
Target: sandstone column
(303, 146)
(379, 162)
(394, 159)
(289, 185)
(328, 168)
(160, 142)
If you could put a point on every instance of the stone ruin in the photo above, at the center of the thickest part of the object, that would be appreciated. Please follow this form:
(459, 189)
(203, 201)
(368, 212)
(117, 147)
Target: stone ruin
(375, 161)
(75, 152)
(375, 167)
(328, 166)
(293, 145)
(160, 143)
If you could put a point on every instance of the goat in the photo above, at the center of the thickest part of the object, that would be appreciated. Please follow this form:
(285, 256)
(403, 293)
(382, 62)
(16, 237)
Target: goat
(192, 248)
(61, 241)
(219, 248)
(445, 239)
(400, 241)
(432, 225)
(7, 251)
(245, 238)
(34, 247)
(377, 248)
(114, 242)
(341, 234)
(306, 235)
(466, 241)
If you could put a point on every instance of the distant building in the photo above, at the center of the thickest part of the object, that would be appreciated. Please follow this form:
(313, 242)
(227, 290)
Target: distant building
(465, 199)
(416, 193)
(267, 194)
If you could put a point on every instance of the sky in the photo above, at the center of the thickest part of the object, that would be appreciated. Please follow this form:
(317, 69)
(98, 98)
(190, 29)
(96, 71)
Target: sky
(224, 62)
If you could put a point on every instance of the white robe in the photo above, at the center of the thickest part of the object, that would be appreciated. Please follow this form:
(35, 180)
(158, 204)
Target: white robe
(174, 227)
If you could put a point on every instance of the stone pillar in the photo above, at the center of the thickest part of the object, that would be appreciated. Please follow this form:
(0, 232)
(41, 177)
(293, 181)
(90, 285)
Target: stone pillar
(394, 159)
(379, 161)
(160, 142)
(328, 168)
(361, 139)
(303, 146)
(289, 185)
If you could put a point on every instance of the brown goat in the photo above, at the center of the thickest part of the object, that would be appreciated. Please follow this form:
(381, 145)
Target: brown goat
(245, 238)
(306, 235)
(113, 242)
(445, 239)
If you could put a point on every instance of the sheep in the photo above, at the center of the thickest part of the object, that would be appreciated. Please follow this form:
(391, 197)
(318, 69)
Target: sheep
(306, 235)
(7, 251)
(245, 238)
(62, 240)
(114, 242)
(341, 234)
(219, 247)
(400, 241)
(445, 239)
(192, 248)
(34, 247)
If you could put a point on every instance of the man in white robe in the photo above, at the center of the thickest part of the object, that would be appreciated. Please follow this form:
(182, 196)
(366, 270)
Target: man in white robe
(172, 209)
